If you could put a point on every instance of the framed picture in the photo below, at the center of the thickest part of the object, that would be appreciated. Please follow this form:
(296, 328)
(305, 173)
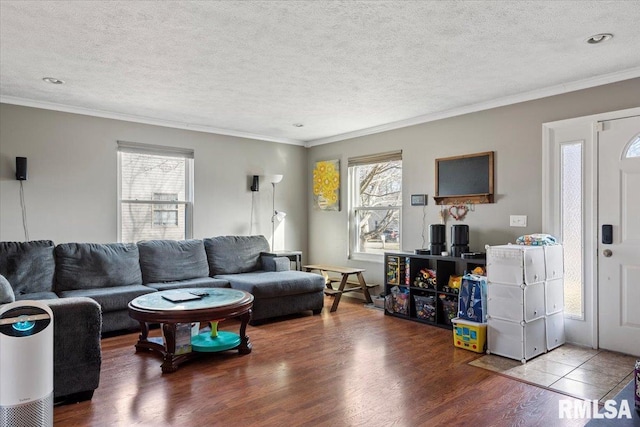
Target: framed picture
(326, 185)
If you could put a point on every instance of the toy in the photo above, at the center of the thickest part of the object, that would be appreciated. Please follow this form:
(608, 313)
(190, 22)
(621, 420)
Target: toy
(479, 271)
(426, 278)
(449, 307)
(454, 284)
(425, 307)
(397, 301)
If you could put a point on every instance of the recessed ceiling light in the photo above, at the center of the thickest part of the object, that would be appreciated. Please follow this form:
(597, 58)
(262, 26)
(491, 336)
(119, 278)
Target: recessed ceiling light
(298, 125)
(53, 80)
(599, 38)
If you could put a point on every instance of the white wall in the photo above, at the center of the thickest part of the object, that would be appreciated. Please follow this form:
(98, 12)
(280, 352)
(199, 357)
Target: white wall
(513, 132)
(71, 191)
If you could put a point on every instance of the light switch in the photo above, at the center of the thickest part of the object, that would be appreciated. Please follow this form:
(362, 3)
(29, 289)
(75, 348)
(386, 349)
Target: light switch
(517, 220)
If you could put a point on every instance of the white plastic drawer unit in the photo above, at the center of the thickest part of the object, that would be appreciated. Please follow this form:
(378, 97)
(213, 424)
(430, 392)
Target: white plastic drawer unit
(516, 303)
(555, 330)
(554, 262)
(554, 296)
(520, 341)
(515, 264)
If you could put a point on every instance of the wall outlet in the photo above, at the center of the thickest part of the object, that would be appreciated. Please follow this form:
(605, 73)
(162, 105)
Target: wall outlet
(517, 220)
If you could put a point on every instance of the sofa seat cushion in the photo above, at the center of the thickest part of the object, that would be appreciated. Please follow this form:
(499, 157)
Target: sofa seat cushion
(172, 260)
(110, 299)
(234, 254)
(268, 284)
(28, 266)
(200, 282)
(36, 296)
(95, 265)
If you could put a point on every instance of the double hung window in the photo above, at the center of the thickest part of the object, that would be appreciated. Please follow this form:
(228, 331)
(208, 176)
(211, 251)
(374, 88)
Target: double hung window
(375, 204)
(155, 189)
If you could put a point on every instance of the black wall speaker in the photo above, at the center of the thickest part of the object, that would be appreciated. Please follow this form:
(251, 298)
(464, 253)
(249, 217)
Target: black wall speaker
(21, 168)
(255, 184)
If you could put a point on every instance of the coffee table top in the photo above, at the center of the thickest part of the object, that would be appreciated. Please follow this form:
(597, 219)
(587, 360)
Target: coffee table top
(215, 298)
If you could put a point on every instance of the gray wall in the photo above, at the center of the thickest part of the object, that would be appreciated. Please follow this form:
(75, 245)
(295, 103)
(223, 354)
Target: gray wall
(71, 191)
(513, 132)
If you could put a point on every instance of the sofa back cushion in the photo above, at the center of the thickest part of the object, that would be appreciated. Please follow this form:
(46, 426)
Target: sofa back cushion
(95, 265)
(28, 266)
(172, 260)
(235, 254)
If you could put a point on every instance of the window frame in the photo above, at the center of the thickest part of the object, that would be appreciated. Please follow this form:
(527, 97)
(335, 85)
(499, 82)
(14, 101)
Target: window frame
(165, 151)
(354, 204)
(169, 205)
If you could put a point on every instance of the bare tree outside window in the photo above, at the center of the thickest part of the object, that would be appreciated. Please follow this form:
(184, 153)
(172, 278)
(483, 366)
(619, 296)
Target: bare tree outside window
(376, 203)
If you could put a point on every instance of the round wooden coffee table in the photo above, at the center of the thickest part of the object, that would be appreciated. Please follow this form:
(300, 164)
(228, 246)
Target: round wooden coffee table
(177, 309)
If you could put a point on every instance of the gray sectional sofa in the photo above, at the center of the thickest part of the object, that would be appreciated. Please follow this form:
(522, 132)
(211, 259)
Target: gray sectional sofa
(276, 290)
(89, 285)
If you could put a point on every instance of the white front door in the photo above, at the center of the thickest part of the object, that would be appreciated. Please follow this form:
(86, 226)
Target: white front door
(619, 260)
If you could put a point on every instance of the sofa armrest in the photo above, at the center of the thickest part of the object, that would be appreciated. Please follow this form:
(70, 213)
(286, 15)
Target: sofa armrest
(279, 263)
(77, 355)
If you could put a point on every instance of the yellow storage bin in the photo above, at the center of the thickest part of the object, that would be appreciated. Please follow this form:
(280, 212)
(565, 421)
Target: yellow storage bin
(469, 335)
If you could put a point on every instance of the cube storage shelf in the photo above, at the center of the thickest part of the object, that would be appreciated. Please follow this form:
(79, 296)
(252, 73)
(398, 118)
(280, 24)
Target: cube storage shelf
(429, 299)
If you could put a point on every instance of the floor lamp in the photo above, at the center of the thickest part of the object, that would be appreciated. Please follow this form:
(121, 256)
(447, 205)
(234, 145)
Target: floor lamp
(276, 215)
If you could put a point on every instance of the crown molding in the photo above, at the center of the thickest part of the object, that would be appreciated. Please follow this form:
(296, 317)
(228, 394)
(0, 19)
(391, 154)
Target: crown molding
(499, 102)
(141, 119)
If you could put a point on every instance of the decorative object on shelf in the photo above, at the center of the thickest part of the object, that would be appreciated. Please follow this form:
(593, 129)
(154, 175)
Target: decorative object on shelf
(276, 215)
(443, 215)
(326, 185)
(458, 212)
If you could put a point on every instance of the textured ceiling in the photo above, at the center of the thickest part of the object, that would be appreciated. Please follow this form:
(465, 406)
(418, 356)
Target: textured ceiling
(256, 67)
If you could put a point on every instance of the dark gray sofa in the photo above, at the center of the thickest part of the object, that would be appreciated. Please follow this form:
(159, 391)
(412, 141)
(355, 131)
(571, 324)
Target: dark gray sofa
(89, 286)
(27, 273)
(276, 291)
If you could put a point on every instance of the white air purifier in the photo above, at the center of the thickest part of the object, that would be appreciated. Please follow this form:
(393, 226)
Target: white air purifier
(26, 364)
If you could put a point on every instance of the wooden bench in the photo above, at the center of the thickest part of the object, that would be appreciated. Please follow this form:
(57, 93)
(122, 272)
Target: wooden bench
(345, 272)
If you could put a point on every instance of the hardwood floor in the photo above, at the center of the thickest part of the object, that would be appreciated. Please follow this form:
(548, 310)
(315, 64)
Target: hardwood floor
(349, 368)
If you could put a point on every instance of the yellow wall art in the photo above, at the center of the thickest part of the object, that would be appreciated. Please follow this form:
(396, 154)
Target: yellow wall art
(326, 185)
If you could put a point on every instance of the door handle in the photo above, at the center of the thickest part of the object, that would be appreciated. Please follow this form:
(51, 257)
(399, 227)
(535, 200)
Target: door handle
(607, 253)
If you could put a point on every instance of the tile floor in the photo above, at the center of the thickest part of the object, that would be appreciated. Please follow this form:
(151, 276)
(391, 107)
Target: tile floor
(576, 371)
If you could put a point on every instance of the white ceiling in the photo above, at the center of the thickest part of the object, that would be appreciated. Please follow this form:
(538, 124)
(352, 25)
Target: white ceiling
(341, 68)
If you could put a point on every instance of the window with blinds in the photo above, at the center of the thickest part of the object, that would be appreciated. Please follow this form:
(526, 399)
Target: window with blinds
(155, 192)
(375, 204)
